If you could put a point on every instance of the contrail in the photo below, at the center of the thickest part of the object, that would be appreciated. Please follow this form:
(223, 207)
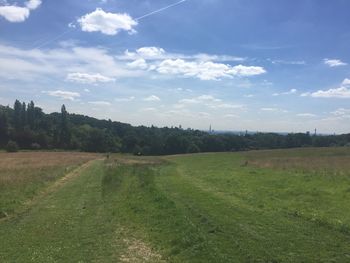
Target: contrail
(160, 10)
(53, 39)
(137, 19)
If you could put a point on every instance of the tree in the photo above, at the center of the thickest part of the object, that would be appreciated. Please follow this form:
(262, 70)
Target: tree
(64, 135)
(17, 115)
(31, 114)
(23, 115)
(30, 128)
(3, 127)
(11, 147)
(193, 148)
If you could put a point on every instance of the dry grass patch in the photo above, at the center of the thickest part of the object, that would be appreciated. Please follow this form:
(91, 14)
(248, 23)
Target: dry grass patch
(331, 161)
(118, 159)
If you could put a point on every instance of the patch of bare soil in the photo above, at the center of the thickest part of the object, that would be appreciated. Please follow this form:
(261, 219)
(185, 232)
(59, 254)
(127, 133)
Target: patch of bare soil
(133, 250)
(138, 251)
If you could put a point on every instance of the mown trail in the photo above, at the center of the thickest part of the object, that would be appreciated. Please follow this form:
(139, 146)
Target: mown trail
(191, 208)
(71, 222)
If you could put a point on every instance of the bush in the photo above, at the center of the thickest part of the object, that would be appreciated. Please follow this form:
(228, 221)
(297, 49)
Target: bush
(193, 148)
(35, 146)
(11, 147)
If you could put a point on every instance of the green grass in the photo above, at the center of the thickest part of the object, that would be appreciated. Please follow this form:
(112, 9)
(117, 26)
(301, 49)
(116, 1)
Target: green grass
(208, 208)
(221, 207)
(23, 175)
(70, 225)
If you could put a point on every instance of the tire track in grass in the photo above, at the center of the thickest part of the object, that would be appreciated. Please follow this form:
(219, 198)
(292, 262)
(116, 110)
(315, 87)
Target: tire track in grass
(50, 189)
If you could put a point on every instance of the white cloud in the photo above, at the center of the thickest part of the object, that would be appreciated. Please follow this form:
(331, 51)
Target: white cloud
(246, 71)
(202, 66)
(72, 25)
(286, 62)
(157, 53)
(152, 98)
(206, 70)
(346, 82)
(343, 92)
(107, 23)
(306, 115)
(124, 99)
(200, 99)
(138, 64)
(33, 4)
(150, 52)
(86, 78)
(65, 95)
(100, 103)
(24, 64)
(189, 101)
(305, 94)
(208, 98)
(269, 109)
(208, 101)
(230, 116)
(342, 113)
(227, 106)
(14, 13)
(334, 62)
(204, 114)
(221, 58)
(148, 109)
(290, 92)
(273, 110)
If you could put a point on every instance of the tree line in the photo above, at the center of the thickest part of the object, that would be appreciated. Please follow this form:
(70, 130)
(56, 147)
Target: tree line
(26, 126)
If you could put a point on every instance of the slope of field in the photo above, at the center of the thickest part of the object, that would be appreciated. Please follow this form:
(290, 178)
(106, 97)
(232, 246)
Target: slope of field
(264, 206)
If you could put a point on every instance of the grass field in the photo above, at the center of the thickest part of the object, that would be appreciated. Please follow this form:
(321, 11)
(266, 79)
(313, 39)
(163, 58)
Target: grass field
(259, 206)
(24, 174)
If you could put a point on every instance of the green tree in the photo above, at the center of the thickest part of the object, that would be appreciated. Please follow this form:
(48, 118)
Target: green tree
(17, 115)
(23, 115)
(3, 127)
(31, 114)
(64, 135)
(11, 147)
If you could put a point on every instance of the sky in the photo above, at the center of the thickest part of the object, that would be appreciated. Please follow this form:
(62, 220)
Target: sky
(269, 66)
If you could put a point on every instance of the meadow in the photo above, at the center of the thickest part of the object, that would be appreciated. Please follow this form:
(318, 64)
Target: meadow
(257, 206)
(23, 175)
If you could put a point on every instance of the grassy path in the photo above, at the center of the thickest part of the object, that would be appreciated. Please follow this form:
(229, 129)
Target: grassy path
(199, 208)
(49, 190)
(71, 223)
(209, 208)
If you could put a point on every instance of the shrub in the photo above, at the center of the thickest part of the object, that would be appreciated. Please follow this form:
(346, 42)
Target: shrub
(193, 148)
(11, 147)
(35, 146)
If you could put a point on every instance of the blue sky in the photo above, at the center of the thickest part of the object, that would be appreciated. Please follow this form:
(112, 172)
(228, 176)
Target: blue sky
(268, 65)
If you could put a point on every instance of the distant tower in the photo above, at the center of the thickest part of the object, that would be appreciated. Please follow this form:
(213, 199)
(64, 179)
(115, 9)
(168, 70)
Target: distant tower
(315, 132)
(210, 128)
